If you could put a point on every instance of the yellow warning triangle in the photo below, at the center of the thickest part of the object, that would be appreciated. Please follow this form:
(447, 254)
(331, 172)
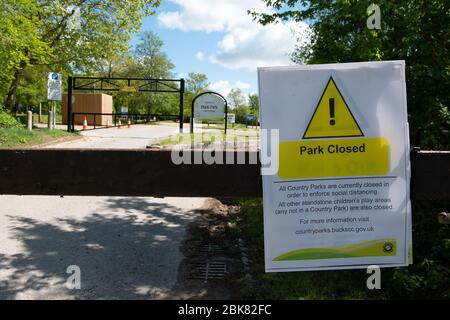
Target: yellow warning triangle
(332, 117)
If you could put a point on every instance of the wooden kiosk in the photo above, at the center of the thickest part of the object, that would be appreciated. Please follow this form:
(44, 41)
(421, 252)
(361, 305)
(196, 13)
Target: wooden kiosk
(89, 103)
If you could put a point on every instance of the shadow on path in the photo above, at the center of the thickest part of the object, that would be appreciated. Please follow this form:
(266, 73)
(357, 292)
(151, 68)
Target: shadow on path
(133, 256)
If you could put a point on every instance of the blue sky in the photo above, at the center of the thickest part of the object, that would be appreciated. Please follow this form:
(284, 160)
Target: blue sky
(218, 38)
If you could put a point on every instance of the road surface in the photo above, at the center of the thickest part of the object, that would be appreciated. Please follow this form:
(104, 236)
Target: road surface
(138, 136)
(126, 248)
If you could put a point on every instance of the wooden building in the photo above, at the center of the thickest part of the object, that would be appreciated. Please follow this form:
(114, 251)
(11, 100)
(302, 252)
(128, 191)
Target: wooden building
(99, 103)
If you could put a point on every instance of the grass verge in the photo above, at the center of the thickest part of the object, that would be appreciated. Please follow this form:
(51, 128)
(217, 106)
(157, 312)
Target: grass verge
(427, 278)
(209, 137)
(230, 127)
(21, 137)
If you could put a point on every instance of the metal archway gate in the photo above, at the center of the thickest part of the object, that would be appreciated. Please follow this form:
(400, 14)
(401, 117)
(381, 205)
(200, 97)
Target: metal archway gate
(121, 84)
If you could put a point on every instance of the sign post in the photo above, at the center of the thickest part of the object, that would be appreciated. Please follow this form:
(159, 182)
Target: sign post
(54, 92)
(231, 118)
(209, 106)
(340, 198)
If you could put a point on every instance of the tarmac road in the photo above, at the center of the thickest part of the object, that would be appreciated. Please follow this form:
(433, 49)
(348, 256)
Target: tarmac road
(126, 248)
(138, 136)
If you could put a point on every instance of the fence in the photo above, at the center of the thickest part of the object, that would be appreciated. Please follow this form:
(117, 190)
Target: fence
(88, 172)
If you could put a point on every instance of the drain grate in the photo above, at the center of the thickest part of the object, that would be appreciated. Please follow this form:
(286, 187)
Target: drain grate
(207, 270)
(210, 249)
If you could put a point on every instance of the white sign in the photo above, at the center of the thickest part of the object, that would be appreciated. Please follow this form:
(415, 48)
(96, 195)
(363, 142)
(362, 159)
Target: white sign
(209, 106)
(340, 198)
(54, 85)
(124, 110)
(231, 118)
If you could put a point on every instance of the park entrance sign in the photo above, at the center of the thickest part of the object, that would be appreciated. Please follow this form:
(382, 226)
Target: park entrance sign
(209, 107)
(340, 198)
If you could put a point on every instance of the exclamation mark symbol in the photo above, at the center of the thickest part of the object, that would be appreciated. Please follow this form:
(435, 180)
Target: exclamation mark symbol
(331, 104)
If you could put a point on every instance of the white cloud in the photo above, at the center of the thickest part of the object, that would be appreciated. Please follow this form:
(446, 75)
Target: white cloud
(258, 46)
(200, 56)
(224, 86)
(242, 85)
(245, 44)
(209, 16)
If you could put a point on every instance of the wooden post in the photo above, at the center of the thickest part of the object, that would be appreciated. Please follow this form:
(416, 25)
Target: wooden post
(54, 114)
(50, 120)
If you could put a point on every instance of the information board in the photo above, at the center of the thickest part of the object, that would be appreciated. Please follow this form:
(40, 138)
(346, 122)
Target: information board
(340, 198)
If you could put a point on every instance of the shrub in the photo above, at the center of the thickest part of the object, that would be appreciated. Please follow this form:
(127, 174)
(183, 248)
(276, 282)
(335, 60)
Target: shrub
(7, 120)
(427, 278)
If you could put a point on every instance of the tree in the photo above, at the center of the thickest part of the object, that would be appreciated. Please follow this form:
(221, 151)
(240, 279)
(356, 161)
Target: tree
(150, 60)
(196, 83)
(65, 35)
(412, 30)
(239, 104)
(254, 103)
(416, 31)
(147, 60)
(241, 112)
(33, 89)
(115, 65)
(236, 97)
(20, 43)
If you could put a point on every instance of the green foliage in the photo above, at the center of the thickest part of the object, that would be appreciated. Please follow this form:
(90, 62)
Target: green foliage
(196, 83)
(236, 98)
(253, 221)
(63, 35)
(21, 42)
(299, 285)
(412, 30)
(12, 137)
(416, 31)
(18, 136)
(238, 105)
(33, 88)
(7, 120)
(148, 60)
(241, 112)
(253, 101)
(239, 134)
(427, 278)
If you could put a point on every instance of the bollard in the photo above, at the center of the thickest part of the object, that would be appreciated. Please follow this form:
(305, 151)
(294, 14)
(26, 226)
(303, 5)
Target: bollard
(444, 218)
(50, 120)
(29, 120)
